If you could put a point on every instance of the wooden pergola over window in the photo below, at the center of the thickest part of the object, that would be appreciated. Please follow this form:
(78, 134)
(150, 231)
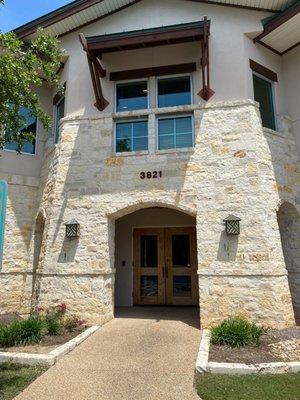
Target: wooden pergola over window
(96, 46)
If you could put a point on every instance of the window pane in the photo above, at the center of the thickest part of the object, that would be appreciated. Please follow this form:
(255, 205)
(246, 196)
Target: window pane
(140, 129)
(131, 136)
(184, 125)
(149, 251)
(181, 251)
(59, 114)
(175, 133)
(263, 94)
(31, 127)
(123, 130)
(174, 91)
(132, 96)
(149, 286)
(182, 286)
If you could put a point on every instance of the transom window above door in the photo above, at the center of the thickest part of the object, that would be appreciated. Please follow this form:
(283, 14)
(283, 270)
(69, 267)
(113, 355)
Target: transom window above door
(132, 96)
(174, 91)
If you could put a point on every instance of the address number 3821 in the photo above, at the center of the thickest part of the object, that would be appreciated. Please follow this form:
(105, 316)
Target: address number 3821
(151, 175)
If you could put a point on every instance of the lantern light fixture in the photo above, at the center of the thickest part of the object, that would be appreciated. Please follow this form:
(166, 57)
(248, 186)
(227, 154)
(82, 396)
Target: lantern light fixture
(232, 225)
(72, 229)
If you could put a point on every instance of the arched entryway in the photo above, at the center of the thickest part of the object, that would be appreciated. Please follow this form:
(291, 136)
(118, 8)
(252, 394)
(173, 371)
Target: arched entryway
(156, 258)
(289, 225)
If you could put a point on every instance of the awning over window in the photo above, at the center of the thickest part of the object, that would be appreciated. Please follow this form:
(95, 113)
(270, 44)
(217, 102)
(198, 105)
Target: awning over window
(96, 46)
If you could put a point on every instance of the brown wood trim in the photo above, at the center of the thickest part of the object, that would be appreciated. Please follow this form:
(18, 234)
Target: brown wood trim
(141, 40)
(269, 47)
(59, 95)
(153, 71)
(290, 48)
(218, 3)
(280, 20)
(266, 72)
(82, 5)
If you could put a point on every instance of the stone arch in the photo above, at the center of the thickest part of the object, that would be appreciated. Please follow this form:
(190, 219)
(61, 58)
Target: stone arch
(289, 227)
(139, 205)
(37, 255)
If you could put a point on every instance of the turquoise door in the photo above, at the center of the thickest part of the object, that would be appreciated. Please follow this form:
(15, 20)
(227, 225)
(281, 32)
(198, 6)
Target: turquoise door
(3, 195)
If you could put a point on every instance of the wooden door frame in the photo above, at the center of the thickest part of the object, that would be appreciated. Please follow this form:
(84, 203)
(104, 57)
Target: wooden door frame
(163, 297)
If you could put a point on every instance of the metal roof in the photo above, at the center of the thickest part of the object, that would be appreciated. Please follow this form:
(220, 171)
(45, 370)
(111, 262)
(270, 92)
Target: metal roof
(82, 12)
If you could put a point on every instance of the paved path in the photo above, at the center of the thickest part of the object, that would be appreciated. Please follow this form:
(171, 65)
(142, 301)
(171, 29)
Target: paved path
(143, 354)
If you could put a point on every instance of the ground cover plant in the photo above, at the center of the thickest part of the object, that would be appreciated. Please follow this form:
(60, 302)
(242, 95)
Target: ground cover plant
(236, 332)
(15, 378)
(248, 387)
(41, 322)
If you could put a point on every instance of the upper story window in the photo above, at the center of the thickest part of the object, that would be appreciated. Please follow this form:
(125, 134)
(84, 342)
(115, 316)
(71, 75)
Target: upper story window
(30, 126)
(131, 136)
(174, 91)
(175, 133)
(264, 95)
(132, 96)
(59, 113)
(3, 196)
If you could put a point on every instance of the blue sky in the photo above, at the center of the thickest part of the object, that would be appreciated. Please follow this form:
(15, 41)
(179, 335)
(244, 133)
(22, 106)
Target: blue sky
(18, 12)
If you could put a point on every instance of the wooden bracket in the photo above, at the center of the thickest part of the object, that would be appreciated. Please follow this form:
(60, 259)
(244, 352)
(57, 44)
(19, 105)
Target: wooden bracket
(97, 72)
(206, 92)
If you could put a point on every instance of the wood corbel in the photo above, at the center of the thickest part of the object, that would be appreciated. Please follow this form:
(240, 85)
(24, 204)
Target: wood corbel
(206, 92)
(97, 72)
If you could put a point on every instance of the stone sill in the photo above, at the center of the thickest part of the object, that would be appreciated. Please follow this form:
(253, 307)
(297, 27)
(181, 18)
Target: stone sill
(159, 111)
(203, 365)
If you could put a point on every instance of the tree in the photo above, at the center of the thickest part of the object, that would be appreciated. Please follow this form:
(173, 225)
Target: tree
(24, 67)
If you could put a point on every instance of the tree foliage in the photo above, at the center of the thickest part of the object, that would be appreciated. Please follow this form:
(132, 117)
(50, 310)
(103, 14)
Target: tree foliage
(23, 68)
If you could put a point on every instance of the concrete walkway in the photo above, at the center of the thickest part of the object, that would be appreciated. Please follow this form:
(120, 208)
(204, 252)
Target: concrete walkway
(143, 354)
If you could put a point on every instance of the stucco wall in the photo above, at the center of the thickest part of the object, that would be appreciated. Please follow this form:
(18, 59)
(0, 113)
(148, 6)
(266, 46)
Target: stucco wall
(230, 49)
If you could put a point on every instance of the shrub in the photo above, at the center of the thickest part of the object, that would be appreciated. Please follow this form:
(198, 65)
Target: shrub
(22, 332)
(71, 323)
(53, 322)
(236, 332)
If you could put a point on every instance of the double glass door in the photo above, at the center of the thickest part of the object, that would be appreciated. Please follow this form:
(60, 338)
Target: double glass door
(165, 266)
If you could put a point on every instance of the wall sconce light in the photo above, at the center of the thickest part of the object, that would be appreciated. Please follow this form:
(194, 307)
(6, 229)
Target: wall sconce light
(232, 225)
(72, 229)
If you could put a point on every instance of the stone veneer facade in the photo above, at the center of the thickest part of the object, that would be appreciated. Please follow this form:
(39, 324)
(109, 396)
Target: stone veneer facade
(235, 167)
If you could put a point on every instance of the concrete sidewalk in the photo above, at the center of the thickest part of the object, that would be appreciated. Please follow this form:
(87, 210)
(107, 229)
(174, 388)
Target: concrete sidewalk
(143, 354)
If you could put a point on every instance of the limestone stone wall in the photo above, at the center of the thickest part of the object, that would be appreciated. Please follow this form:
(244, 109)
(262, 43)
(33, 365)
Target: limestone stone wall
(236, 167)
(20, 212)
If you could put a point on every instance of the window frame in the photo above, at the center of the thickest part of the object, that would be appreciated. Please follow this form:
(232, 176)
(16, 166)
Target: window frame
(119, 153)
(273, 92)
(132, 81)
(175, 117)
(157, 78)
(25, 153)
(63, 98)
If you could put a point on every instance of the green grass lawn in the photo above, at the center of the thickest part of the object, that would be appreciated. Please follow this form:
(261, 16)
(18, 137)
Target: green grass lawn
(15, 378)
(248, 387)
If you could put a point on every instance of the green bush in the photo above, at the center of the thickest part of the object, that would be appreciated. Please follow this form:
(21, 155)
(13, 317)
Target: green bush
(53, 322)
(23, 332)
(236, 332)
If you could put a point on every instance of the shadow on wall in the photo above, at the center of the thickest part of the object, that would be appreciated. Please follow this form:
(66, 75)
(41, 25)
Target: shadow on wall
(37, 250)
(289, 226)
(68, 250)
(228, 246)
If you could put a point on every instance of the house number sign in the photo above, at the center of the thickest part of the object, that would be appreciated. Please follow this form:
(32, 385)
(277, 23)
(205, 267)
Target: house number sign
(151, 175)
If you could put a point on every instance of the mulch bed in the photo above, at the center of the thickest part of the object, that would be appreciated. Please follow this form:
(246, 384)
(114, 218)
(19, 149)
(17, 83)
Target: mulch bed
(47, 344)
(276, 345)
